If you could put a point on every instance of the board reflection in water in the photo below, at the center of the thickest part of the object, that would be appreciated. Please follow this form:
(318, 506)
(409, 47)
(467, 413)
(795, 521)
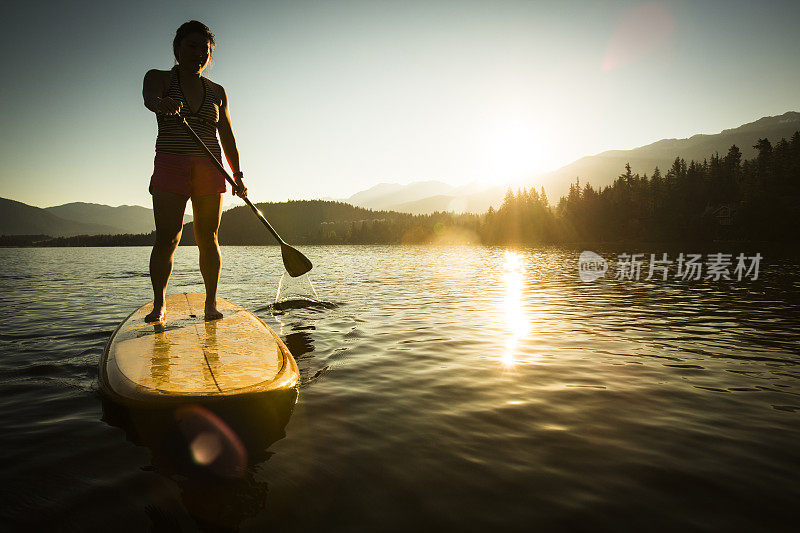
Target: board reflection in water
(211, 451)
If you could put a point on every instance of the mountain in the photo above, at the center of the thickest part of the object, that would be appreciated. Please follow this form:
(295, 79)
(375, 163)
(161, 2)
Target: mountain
(601, 169)
(122, 219)
(386, 195)
(325, 222)
(297, 221)
(456, 203)
(377, 193)
(17, 218)
(78, 218)
(424, 197)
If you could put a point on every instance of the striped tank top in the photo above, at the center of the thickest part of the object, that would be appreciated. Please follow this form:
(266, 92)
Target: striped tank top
(173, 139)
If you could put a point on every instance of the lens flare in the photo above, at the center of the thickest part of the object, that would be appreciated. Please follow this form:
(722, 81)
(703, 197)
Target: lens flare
(205, 448)
(641, 31)
(211, 443)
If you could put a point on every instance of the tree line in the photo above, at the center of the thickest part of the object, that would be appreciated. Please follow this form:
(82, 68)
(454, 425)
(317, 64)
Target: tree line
(722, 197)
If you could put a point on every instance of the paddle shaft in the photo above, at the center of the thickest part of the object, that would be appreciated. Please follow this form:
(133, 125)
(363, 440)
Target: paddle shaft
(219, 166)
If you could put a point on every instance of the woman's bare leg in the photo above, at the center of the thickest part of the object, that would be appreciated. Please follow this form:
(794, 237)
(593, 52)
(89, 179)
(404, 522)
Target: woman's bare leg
(207, 211)
(168, 209)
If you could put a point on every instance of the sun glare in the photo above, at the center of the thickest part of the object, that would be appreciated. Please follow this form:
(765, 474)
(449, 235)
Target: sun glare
(517, 320)
(515, 150)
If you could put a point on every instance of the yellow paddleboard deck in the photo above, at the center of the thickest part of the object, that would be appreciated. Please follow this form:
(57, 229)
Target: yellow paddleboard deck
(185, 358)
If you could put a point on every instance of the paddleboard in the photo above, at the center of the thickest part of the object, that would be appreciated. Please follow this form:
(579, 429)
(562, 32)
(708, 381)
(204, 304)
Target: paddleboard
(187, 359)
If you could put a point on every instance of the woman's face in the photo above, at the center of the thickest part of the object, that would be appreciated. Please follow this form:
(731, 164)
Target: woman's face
(194, 52)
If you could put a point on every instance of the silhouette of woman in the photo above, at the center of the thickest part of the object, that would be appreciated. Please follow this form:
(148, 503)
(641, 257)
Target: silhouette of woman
(181, 169)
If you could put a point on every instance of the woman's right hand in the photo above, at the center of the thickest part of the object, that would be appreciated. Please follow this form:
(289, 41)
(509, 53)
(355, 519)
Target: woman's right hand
(169, 106)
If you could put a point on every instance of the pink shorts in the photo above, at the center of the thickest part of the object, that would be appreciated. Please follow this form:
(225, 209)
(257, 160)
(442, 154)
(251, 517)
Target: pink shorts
(188, 175)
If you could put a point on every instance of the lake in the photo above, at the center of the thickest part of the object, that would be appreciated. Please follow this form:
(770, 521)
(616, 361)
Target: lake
(441, 387)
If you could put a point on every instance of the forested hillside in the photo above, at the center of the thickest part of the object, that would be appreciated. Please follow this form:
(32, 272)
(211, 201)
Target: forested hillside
(326, 222)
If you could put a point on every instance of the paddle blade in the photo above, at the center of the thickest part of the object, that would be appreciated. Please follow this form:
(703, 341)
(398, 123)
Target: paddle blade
(296, 264)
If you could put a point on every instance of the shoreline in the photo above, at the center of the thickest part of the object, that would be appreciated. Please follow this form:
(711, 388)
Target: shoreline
(67, 242)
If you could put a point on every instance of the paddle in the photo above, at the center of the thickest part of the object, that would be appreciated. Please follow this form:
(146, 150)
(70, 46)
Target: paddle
(296, 263)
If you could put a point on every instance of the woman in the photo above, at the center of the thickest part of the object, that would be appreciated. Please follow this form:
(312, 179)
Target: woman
(182, 170)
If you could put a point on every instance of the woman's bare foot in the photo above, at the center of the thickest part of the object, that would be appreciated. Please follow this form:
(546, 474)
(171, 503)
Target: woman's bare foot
(212, 313)
(156, 315)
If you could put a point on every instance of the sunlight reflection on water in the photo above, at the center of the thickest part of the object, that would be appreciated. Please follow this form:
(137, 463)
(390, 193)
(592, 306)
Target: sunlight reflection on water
(517, 319)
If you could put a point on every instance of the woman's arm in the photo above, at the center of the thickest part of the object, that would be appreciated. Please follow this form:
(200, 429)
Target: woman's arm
(153, 90)
(226, 132)
(227, 139)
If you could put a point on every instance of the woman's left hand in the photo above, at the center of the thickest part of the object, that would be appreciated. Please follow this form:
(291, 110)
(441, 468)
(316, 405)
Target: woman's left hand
(239, 189)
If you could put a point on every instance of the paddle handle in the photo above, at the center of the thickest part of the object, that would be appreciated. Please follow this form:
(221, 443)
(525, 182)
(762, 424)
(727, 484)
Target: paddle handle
(219, 166)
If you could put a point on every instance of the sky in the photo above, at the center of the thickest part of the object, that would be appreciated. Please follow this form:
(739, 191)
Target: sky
(329, 98)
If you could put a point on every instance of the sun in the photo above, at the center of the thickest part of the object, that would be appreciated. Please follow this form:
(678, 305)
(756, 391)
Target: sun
(515, 150)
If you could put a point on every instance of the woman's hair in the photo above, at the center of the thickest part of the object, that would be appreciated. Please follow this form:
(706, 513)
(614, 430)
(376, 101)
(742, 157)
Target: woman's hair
(190, 27)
